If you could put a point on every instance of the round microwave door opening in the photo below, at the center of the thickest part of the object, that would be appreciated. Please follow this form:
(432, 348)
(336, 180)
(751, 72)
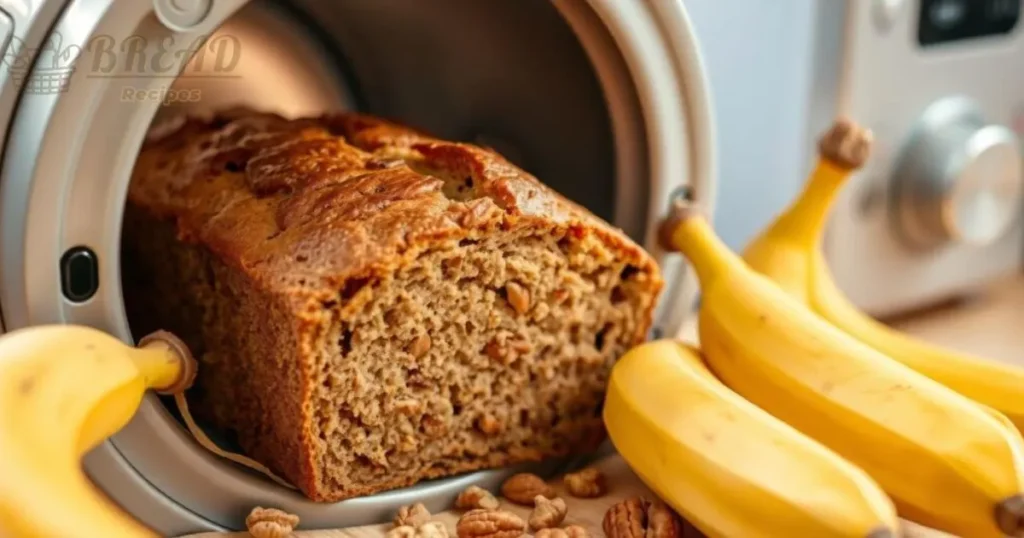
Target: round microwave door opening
(512, 75)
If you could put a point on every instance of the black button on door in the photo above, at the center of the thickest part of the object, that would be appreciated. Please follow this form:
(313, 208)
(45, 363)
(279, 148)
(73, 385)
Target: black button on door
(79, 274)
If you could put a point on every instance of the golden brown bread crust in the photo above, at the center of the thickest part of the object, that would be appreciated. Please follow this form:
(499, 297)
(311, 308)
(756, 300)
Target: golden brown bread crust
(300, 209)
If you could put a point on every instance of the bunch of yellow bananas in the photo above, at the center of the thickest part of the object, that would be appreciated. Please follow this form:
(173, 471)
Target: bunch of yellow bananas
(64, 390)
(800, 416)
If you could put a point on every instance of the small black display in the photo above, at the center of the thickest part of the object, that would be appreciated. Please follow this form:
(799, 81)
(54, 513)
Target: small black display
(942, 21)
(79, 274)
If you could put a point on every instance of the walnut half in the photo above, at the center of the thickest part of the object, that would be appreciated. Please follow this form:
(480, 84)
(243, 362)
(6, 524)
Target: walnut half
(489, 524)
(270, 523)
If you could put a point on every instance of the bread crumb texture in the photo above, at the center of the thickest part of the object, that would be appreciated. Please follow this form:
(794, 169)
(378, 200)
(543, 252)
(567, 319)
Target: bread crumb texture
(373, 306)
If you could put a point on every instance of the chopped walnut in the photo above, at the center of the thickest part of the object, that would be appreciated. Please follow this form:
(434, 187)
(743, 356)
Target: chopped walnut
(270, 523)
(586, 483)
(541, 311)
(489, 425)
(420, 346)
(408, 406)
(495, 350)
(547, 513)
(412, 515)
(518, 297)
(476, 497)
(520, 345)
(489, 524)
(523, 488)
(506, 347)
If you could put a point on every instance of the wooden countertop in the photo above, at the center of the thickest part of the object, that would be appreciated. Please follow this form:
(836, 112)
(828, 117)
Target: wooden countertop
(989, 324)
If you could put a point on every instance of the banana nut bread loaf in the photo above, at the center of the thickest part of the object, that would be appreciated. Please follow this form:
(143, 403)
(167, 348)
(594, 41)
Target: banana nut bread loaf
(373, 306)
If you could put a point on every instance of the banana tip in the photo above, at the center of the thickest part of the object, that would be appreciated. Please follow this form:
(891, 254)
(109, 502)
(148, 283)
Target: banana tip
(1010, 516)
(882, 532)
(181, 351)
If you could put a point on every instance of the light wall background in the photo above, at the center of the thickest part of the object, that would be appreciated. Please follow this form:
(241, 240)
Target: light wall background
(758, 54)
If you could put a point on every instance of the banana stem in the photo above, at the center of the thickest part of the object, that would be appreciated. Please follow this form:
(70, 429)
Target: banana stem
(804, 220)
(687, 231)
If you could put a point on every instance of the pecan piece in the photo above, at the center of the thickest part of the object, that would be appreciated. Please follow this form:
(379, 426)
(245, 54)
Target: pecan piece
(637, 517)
(523, 488)
(626, 519)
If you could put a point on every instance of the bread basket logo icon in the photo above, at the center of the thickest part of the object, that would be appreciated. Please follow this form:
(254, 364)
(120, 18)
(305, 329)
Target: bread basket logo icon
(43, 70)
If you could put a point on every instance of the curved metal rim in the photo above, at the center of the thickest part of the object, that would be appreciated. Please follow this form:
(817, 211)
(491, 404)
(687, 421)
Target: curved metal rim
(660, 51)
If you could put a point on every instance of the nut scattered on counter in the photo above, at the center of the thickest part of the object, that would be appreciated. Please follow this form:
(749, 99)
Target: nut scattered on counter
(626, 519)
(663, 522)
(433, 529)
(547, 513)
(586, 483)
(637, 517)
(476, 497)
(404, 531)
(489, 524)
(522, 488)
(430, 529)
(571, 531)
(270, 523)
(412, 515)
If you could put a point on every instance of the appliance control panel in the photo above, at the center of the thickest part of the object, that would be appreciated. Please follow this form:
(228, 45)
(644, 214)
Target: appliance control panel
(936, 212)
(944, 21)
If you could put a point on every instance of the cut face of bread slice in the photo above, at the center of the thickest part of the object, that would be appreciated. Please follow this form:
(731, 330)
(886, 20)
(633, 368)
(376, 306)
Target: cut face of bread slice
(375, 307)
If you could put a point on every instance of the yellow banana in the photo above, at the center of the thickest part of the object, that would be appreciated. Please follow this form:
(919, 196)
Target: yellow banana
(727, 466)
(789, 252)
(63, 390)
(946, 462)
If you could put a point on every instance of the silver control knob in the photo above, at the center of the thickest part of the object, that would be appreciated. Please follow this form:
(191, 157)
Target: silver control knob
(959, 180)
